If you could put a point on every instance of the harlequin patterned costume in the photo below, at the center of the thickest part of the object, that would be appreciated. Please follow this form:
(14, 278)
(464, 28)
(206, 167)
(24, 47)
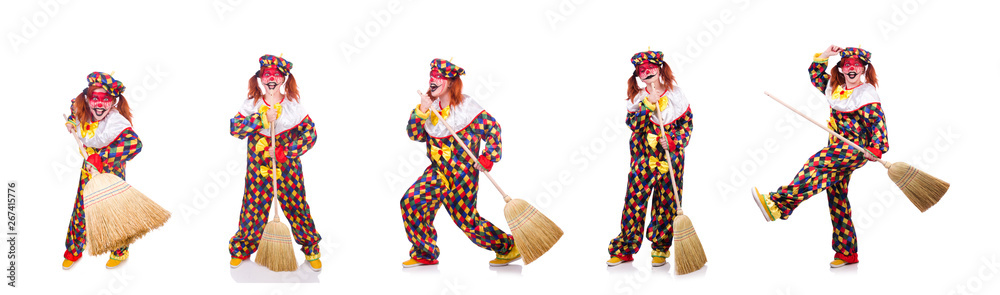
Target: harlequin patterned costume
(451, 180)
(649, 175)
(857, 115)
(113, 140)
(296, 134)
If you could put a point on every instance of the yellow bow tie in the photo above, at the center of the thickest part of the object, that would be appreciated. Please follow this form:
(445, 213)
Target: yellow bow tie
(444, 114)
(663, 102)
(261, 146)
(263, 114)
(438, 152)
(655, 163)
(265, 171)
(653, 140)
(841, 94)
(87, 130)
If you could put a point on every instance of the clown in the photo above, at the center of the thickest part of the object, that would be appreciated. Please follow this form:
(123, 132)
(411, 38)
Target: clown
(294, 135)
(452, 178)
(103, 119)
(649, 174)
(855, 113)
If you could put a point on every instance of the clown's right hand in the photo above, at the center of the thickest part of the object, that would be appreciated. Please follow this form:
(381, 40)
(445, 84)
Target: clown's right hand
(830, 51)
(272, 114)
(425, 101)
(70, 127)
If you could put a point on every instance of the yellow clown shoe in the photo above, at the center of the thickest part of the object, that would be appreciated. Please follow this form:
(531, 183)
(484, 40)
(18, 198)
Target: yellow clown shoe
(660, 258)
(503, 260)
(414, 262)
(619, 259)
(67, 264)
(841, 260)
(235, 262)
(314, 262)
(115, 260)
(766, 205)
(838, 263)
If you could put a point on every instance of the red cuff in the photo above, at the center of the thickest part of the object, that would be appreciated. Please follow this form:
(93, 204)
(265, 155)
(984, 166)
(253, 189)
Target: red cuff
(624, 257)
(853, 258)
(281, 154)
(71, 257)
(876, 152)
(487, 164)
(670, 142)
(97, 161)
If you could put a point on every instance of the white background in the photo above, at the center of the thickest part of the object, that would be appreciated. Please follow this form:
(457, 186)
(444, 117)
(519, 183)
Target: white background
(552, 73)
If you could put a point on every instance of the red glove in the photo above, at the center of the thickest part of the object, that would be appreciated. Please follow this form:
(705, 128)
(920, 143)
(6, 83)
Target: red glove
(97, 161)
(281, 154)
(487, 164)
(875, 152)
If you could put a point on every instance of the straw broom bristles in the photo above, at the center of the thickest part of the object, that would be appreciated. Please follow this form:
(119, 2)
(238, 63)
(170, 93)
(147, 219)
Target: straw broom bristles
(276, 251)
(922, 189)
(117, 214)
(276, 248)
(534, 233)
(690, 254)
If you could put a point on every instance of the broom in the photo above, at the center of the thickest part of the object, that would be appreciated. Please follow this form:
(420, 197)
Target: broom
(115, 213)
(923, 190)
(690, 254)
(276, 251)
(534, 234)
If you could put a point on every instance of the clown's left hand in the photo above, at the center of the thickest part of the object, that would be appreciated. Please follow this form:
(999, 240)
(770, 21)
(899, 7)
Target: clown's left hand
(484, 164)
(873, 154)
(666, 143)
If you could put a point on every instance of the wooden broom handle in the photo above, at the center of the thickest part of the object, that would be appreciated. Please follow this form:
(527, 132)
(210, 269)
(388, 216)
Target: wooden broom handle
(83, 151)
(845, 140)
(475, 160)
(670, 162)
(274, 173)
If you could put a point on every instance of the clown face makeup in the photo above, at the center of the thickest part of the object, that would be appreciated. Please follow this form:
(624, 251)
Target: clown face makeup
(852, 69)
(271, 78)
(647, 72)
(100, 102)
(437, 84)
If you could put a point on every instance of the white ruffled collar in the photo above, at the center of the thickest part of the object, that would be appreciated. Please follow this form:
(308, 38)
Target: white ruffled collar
(292, 113)
(107, 131)
(459, 117)
(677, 105)
(861, 96)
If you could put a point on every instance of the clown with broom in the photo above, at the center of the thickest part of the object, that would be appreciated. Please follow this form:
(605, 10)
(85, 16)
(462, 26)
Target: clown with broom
(103, 119)
(278, 132)
(855, 114)
(661, 121)
(452, 178)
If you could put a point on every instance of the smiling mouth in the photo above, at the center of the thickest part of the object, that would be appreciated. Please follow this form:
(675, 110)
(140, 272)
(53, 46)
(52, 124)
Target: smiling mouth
(271, 85)
(649, 77)
(99, 111)
(852, 75)
(434, 87)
